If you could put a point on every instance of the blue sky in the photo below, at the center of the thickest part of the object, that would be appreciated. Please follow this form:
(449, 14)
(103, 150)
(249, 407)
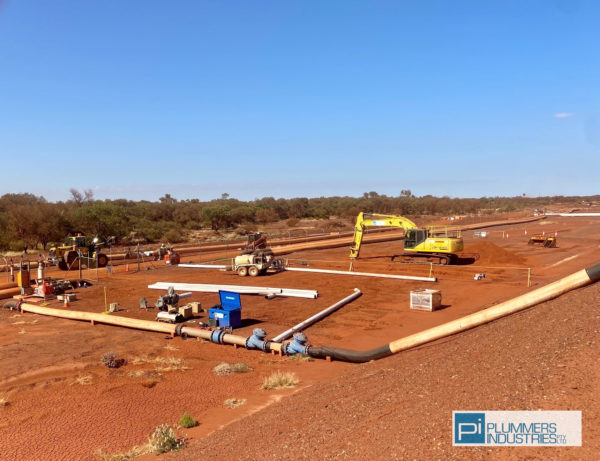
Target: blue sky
(136, 99)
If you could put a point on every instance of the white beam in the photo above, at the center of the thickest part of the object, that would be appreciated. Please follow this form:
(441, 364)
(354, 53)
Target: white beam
(364, 274)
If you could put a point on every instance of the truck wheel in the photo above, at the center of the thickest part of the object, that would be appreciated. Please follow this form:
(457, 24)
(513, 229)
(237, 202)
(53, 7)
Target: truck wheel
(253, 271)
(243, 271)
(102, 260)
(71, 260)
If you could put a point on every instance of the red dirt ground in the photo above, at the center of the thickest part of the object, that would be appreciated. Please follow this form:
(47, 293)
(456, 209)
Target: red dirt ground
(42, 357)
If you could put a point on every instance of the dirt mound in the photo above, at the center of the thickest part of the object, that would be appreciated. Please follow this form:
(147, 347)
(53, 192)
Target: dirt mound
(491, 254)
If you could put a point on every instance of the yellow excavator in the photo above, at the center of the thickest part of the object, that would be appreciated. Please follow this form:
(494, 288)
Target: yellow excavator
(419, 244)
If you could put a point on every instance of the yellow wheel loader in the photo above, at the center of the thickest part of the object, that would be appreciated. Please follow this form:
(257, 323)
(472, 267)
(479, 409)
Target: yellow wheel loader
(77, 249)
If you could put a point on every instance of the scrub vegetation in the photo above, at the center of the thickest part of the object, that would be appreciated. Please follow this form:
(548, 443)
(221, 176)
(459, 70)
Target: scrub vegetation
(30, 221)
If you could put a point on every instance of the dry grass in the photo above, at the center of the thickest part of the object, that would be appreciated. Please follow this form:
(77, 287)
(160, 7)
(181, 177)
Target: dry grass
(137, 374)
(300, 358)
(224, 368)
(141, 360)
(4, 402)
(170, 364)
(163, 440)
(240, 367)
(234, 403)
(280, 380)
(83, 380)
(22, 331)
(170, 347)
(164, 364)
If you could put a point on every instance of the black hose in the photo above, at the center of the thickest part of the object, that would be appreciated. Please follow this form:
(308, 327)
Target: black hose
(348, 355)
(593, 272)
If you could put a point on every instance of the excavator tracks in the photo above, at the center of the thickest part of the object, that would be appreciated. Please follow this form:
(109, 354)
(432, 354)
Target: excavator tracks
(425, 258)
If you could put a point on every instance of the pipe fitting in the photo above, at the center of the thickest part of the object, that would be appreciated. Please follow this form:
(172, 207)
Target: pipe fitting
(297, 346)
(257, 340)
(217, 336)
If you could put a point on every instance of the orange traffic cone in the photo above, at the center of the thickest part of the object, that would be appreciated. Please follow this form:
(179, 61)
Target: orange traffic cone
(126, 267)
(66, 301)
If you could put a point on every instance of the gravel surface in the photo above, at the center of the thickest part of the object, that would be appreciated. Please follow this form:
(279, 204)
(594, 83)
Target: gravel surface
(546, 358)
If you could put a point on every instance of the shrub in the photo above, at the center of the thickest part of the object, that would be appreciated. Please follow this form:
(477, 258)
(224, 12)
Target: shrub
(187, 421)
(293, 222)
(164, 440)
(280, 380)
(222, 369)
(110, 360)
(4, 402)
(240, 367)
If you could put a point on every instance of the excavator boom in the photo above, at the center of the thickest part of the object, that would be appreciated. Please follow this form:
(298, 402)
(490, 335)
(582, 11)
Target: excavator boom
(376, 220)
(418, 243)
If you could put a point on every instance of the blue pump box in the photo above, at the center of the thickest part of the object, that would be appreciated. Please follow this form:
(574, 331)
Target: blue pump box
(229, 312)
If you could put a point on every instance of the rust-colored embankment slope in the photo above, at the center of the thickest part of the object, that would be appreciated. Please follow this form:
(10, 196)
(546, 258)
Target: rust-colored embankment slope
(546, 358)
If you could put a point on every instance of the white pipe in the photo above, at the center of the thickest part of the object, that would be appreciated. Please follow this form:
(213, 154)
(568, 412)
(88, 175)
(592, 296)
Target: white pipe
(364, 274)
(205, 266)
(248, 290)
(593, 215)
(318, 316)
(187, 294)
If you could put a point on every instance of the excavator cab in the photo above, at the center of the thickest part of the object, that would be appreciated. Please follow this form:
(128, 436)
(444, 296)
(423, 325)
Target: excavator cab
(414, 237)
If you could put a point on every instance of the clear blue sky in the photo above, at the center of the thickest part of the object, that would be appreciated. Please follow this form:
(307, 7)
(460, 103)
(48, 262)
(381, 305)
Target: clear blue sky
(136, 99)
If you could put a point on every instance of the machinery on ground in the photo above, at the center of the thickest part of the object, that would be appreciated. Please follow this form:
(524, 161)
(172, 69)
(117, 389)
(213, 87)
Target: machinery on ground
(67, 256)
(255, 241)
(168, 306)
(258, 262)
(419, 244)
(546, 241)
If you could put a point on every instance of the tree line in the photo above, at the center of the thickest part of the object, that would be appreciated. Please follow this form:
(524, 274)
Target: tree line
(30, 221)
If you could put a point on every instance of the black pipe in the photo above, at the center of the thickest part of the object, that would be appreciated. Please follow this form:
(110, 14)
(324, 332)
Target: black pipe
(348, 355)
(593, 272)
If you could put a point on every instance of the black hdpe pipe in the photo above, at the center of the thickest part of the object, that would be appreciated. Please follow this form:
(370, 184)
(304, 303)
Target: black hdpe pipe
(571, 282)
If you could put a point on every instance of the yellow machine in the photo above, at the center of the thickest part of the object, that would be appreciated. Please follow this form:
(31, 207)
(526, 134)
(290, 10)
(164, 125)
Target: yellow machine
(421, 244)
(68, 256)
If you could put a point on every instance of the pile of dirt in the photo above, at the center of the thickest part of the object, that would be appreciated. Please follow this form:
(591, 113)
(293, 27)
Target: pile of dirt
(491, 254)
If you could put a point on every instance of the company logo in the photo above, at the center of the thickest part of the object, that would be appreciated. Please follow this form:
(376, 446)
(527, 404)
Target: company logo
(516, 428)
(469, 428)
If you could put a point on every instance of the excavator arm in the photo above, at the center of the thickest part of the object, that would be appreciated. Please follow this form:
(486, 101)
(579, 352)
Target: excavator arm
(376, 220)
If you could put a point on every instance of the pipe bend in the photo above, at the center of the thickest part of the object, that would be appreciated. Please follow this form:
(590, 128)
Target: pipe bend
(348, 355)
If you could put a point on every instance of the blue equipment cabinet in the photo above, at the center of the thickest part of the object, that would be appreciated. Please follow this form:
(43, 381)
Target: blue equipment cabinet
(229, 312)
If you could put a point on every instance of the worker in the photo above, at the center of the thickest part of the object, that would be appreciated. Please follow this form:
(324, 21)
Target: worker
(162, 251)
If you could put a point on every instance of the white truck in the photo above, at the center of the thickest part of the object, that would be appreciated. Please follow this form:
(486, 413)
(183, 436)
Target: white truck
(257, 262)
